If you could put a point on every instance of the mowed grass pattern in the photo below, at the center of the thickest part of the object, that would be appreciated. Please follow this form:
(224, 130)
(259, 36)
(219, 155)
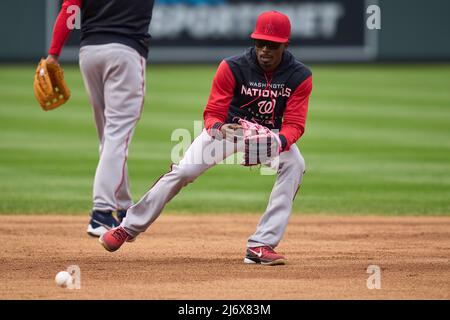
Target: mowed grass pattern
(377, 142)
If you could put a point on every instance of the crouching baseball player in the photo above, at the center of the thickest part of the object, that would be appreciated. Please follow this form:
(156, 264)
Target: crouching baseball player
(258, 105)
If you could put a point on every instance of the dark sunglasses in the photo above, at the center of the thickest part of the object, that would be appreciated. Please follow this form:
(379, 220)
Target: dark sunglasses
(269, 44)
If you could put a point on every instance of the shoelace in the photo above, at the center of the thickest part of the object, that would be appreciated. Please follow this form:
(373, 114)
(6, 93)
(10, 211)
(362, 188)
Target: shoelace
(120, 235)
(265, 249)
(268, 249)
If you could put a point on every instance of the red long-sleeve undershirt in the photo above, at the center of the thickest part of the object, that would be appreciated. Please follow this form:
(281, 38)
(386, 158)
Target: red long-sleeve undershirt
(294, 117)
(60, 30)
(221, 95)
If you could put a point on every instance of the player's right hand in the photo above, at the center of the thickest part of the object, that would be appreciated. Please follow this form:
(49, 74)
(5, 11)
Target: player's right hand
(232, 132)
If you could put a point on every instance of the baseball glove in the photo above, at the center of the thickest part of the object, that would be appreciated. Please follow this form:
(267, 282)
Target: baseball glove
(50, 88)
(261, 145)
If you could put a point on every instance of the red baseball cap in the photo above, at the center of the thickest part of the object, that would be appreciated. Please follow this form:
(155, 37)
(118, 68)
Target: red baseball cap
(272, 26)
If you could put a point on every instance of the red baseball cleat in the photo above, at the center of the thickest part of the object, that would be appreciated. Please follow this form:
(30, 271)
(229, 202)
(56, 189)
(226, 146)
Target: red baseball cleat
(114, 238)
(264, 255)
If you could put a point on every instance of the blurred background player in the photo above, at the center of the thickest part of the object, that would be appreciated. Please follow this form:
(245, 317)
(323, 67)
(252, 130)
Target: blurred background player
(113, 53)
(266, 85)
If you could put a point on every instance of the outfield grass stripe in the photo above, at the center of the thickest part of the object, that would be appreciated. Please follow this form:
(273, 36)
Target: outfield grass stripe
(377, 142)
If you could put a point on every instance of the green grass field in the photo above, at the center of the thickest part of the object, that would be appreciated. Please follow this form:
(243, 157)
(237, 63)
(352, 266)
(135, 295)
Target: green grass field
(377, 142)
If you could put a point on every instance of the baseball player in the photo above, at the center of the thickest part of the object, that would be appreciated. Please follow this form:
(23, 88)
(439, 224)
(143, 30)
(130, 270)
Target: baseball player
(267, 86)
(113, 53)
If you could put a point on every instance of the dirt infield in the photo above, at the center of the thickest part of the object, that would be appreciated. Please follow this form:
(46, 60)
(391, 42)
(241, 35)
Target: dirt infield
(201, 257)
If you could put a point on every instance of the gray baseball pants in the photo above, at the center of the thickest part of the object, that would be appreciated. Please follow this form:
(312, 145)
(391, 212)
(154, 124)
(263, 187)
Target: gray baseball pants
(203, 153)
(114, 77)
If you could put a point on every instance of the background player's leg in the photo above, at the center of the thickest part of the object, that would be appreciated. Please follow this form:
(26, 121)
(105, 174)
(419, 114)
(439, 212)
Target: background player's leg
(123, 195)
(92, 68)
(273, 223)
(92, 72)
(124, 75)
(203, 153)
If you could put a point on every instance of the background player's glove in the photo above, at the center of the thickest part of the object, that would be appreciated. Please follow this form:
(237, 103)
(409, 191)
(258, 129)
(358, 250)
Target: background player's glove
(261, 145)
(50, 89)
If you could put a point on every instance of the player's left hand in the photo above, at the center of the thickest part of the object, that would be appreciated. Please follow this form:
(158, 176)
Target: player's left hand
(261, 145)
(52, 59)
(50, 88)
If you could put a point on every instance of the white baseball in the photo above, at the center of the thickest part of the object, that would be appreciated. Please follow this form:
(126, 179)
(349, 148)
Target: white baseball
(63, 278)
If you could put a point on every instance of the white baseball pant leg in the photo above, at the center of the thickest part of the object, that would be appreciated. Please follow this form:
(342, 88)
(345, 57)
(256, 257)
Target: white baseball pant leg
(273, 223)
(114, 77)
(202, 154)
